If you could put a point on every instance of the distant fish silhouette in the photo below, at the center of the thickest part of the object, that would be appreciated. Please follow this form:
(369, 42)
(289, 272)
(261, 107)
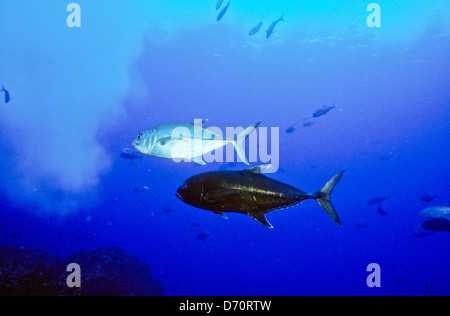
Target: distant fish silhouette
(219, 4)
(130, 154)
(307, 124)
(167, 209)
(222, 13)
(255, 29)
(323, 110)
(381, 211)
(378, 200)
(7, 95)
(204, 235)
(427, 198)
(271, 28)
(290, 129)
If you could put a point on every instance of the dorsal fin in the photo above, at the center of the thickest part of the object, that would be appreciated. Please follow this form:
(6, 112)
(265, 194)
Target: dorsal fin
(261, 217)
(259, 169)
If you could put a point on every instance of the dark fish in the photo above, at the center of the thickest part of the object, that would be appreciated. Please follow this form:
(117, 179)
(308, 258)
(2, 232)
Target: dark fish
(427, 198)
(381, 211)
(399, 280)
(167, 209)
(290, 130)
(269, 31)
(378, 200)
(307, 124)
(255, 29)
(219, 4)
(7, 95)
(130, 156)
(250, 192)
(222, 13)
(323, 110)
(203, 235)
(437, 225)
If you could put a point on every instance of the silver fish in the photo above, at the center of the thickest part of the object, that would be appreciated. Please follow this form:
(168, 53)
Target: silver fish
(188, 141)
(436, 212)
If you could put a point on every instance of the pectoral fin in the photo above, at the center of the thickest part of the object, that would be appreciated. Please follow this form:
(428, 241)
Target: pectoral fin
(213, 196)
(261, 217)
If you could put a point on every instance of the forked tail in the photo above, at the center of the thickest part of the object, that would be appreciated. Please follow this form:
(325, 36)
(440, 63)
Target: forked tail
(239, 142)
(323, 197)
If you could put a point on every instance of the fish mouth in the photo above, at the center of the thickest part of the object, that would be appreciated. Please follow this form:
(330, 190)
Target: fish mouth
(179, 196)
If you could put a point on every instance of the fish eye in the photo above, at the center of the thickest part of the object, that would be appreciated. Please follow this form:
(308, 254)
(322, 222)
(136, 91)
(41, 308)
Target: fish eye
(139, 136)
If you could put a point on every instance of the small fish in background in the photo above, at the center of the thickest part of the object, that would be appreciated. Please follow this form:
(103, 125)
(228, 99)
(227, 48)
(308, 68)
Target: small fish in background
(436, 212)
(222, 13)
(427, 198)
(219, 4)
(203, 235)
(143, 189)
(255, 29)
(7, 95)
(381, 211)
(437, 225)
(167, 209)
(290, 129)
(307, 124)
(130, 154)
(271, 28)
(323, 110)
(378, 200)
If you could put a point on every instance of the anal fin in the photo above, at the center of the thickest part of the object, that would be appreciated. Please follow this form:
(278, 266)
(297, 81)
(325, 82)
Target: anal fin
(261, 217)
(221, 214)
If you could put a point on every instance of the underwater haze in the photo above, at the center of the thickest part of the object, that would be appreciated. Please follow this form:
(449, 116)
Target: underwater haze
(71, 182)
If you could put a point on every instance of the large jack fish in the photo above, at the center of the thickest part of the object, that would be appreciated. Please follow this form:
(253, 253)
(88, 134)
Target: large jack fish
(188, 141)
(250, 192)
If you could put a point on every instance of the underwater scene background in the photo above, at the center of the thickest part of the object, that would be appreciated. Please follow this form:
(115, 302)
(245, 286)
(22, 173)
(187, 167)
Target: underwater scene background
(71, 190)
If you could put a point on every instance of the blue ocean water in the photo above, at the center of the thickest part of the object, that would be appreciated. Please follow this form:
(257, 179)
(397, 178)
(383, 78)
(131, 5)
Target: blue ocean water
(80, 95)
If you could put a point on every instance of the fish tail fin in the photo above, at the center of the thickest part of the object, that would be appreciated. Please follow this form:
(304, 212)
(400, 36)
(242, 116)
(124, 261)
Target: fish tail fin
(282, 18)
(239, 142)
(323, 197)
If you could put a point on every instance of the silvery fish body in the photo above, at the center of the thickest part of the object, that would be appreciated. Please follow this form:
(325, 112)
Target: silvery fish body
(436, 212)
(187, 141)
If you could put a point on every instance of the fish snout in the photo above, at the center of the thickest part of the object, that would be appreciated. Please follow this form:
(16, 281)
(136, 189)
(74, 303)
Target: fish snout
(181, 190)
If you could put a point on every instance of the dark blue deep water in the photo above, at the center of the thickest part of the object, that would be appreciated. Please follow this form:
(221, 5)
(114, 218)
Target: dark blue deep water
(80, 95)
